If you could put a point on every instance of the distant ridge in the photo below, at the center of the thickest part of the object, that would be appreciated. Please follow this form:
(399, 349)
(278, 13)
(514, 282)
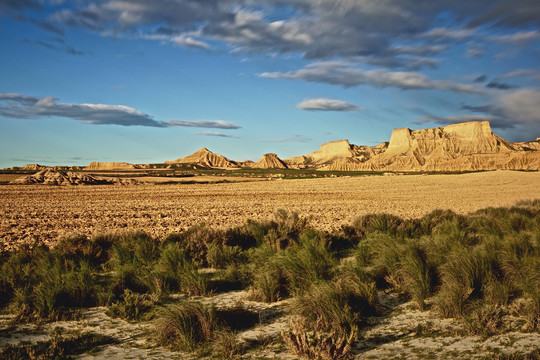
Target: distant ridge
(469, 146)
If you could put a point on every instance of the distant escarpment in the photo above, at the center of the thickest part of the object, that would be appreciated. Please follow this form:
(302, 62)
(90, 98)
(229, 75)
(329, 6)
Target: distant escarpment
(206, 158)
(110, 166)
(467, 146)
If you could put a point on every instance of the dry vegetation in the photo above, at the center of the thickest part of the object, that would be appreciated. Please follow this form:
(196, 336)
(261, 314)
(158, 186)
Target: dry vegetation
(46, 213)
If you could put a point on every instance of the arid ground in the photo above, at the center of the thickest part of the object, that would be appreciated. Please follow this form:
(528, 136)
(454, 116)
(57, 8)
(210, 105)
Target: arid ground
(400, 330)
(49, 212)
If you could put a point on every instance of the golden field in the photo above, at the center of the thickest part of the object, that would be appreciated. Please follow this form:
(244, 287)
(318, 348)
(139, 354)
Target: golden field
(49, 212)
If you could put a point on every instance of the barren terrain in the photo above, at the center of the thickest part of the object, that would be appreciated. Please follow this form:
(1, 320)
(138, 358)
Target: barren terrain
(49, 212)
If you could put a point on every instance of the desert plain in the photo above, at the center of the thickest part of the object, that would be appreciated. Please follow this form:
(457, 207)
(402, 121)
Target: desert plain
(47, 213)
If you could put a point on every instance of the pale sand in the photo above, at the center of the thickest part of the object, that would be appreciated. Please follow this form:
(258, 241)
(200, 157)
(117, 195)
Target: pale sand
(47, 212)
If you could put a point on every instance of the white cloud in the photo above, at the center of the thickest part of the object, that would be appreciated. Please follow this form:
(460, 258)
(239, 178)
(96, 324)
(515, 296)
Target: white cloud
(216, 124)
(32, 107)
(217, 134)
(519, 38)
(327, 105)
(18, 106)
(336, 73)
(522, 106)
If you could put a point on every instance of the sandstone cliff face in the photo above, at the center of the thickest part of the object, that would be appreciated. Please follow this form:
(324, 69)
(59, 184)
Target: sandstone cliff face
(458, 147)
(34, 167)
(205, 157)
(270, 161)
(327, 153)
(110, 166)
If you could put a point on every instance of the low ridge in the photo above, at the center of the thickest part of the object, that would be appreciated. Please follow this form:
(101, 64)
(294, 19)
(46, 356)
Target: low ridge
(52, 177)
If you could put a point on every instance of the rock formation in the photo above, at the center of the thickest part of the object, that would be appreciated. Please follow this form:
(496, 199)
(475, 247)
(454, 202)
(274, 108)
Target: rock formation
(51, 177)
(459, 147)
(110, 166)
(270, 161)
(205, 157)
(34, 167)
(333, 151)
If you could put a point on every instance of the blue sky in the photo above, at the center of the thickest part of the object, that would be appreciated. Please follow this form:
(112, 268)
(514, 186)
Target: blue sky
(145, 81)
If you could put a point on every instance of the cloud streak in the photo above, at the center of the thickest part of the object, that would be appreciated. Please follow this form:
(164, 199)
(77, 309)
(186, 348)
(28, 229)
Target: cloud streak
(217, 134)
(323, 104)
(214, 124)
(339, 73)
(294, 138)
(18, 106)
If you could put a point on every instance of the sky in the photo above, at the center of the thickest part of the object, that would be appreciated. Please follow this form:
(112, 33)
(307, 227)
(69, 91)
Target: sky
(145, 81)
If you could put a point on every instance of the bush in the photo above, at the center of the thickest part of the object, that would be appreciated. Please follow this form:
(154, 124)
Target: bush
(185, 326)
(484, 320)
(417, 275)
(337, 306)
(320, 346)
(462, 282)
(131, 306)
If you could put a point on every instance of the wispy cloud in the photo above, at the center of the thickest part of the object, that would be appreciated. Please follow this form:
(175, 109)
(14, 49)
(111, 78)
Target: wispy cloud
(339, 73)
(217, 134)
(475, 51)
(32, 107)
(323, 104)
(18, 106)
(215, 124)
(294, 138)
(521, 73)
(57, 45)
(519, 38)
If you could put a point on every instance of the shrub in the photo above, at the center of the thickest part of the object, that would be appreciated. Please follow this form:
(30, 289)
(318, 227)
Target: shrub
(225, 345)
(185, 326)
(484, 320)
(131, 306)
(136, 248)
(416, 274)
(306, 263)
(462, 282)
(220, 256)
(383, 223)
(320, 346)
(338, 305)
(195, 242)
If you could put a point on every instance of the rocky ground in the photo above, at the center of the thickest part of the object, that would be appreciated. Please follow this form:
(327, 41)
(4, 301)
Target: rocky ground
(45, 213)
